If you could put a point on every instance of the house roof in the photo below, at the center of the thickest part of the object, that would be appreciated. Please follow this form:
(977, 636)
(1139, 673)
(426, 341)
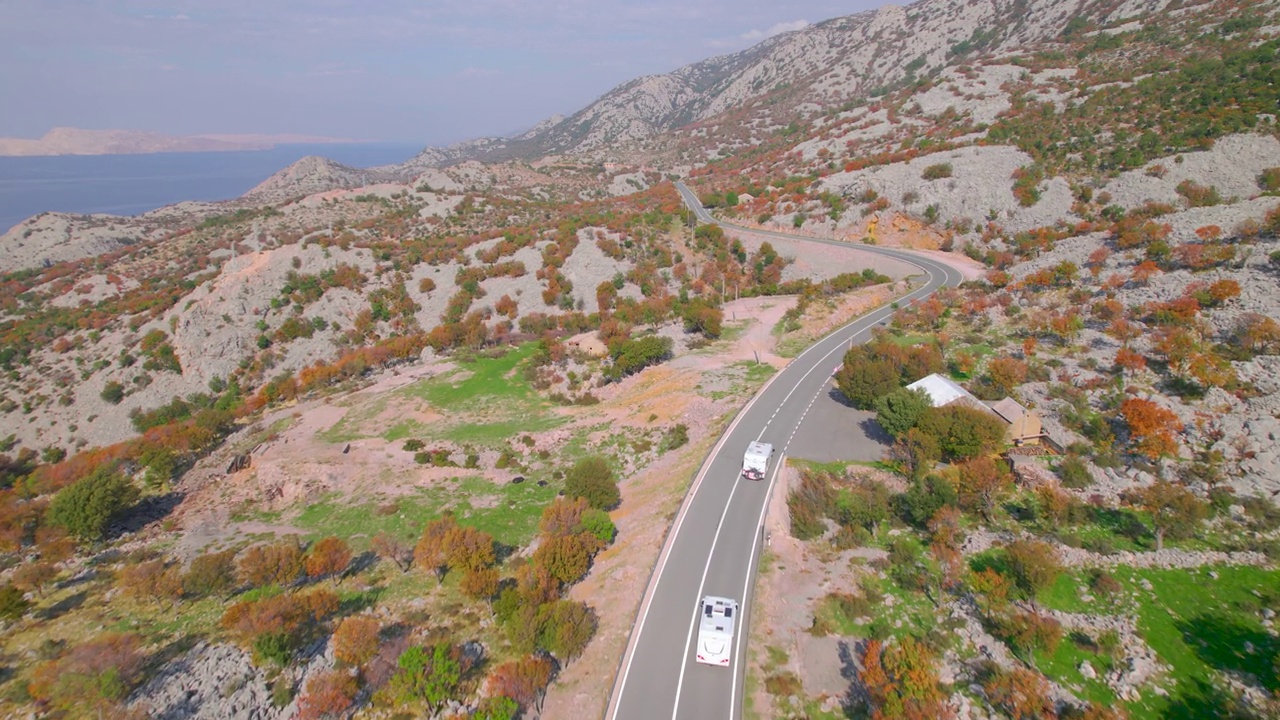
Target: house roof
(1009, 409)
(941, 390)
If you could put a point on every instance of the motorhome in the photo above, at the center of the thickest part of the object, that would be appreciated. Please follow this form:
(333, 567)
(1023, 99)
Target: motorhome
(756, 460)
(715, 630)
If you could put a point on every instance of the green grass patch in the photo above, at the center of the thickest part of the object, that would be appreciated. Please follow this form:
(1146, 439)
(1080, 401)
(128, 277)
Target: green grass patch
(508, 512)
(1198, 624)
(487, 400)
(908, 339)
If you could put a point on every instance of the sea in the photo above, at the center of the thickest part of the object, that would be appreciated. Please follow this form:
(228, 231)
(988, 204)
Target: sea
(133, 184)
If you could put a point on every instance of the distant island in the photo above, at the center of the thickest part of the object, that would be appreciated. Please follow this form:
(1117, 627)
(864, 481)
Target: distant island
(76, 141)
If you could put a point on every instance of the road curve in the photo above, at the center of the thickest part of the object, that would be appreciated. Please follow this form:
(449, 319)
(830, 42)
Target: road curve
(712, 549)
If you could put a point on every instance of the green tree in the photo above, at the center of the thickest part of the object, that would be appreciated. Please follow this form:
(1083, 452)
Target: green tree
(923, 498)
(962, 431)
(1173, 509)
(12, 603)
(916, 452)
(899, 411)
(426, 675)
(566, 626)
(863, 379)
(591, 478)
(86, 508)
(567, 557)
(1034, 564)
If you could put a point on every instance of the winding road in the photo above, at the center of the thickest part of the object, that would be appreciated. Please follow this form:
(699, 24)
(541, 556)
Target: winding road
(713, 548)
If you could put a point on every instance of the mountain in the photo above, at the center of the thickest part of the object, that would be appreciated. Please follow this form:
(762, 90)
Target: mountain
(823, 65)
(313, 174)
(76, 141)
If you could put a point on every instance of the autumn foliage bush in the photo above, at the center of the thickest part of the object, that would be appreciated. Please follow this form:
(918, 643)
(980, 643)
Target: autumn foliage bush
(93, 676)
(275, 625)
(278, 563)
(355, 641)
(327, 694)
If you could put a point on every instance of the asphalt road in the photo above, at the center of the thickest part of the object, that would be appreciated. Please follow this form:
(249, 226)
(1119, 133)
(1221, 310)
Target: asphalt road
(714, 545)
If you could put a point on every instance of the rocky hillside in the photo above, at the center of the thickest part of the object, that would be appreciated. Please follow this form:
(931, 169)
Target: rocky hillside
(313, 174)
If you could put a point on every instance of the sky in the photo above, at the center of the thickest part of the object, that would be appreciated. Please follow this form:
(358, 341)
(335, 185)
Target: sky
(421, 71)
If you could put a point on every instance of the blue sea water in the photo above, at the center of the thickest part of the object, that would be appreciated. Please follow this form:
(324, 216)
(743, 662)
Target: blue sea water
(132, 184)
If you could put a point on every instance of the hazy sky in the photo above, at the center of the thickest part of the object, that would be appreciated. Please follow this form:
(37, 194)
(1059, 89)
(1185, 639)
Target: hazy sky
(426, 71)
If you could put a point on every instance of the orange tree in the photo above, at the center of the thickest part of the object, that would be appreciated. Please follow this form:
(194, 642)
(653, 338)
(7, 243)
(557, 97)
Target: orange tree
(1152, 427)
(902, 681)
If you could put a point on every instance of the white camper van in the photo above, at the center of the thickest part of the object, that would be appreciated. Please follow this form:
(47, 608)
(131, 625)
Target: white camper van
(756, 460)
(715, 630)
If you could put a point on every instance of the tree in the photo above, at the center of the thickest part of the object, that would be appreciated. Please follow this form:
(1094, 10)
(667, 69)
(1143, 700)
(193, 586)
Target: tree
(480, 584)
(592, 478)
(1257, 333)
(211, 574)
(567, 557)
(431, 675)
(925, 497)
(982, 482)
(12, 603)
(902, 680)
(1005, 374)
(429, 554)
(1173, 509)
(563, 516)
(33, 577)
(355, 641)
(468, 549)
(390, 547)
(566, 626)
(1035, 565)
(898, 411)
(328, 556)
(327, 694)
(1151, 426)
(86, 508)
(524, 680)
(962, 431)
(862, 379)
(916, 452)
(152, 580)
(93, 676)
(1021, 693)
(278, 563)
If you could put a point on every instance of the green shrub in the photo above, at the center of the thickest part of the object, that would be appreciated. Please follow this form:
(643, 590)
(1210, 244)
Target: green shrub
(592, 478)
(113, 392)
(413, 445)
(12, 603)
(676, 436)
(598, 523)
(1074, 473)
(632, 356)
(1269, 180)
(86, 508)
(937, 171)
